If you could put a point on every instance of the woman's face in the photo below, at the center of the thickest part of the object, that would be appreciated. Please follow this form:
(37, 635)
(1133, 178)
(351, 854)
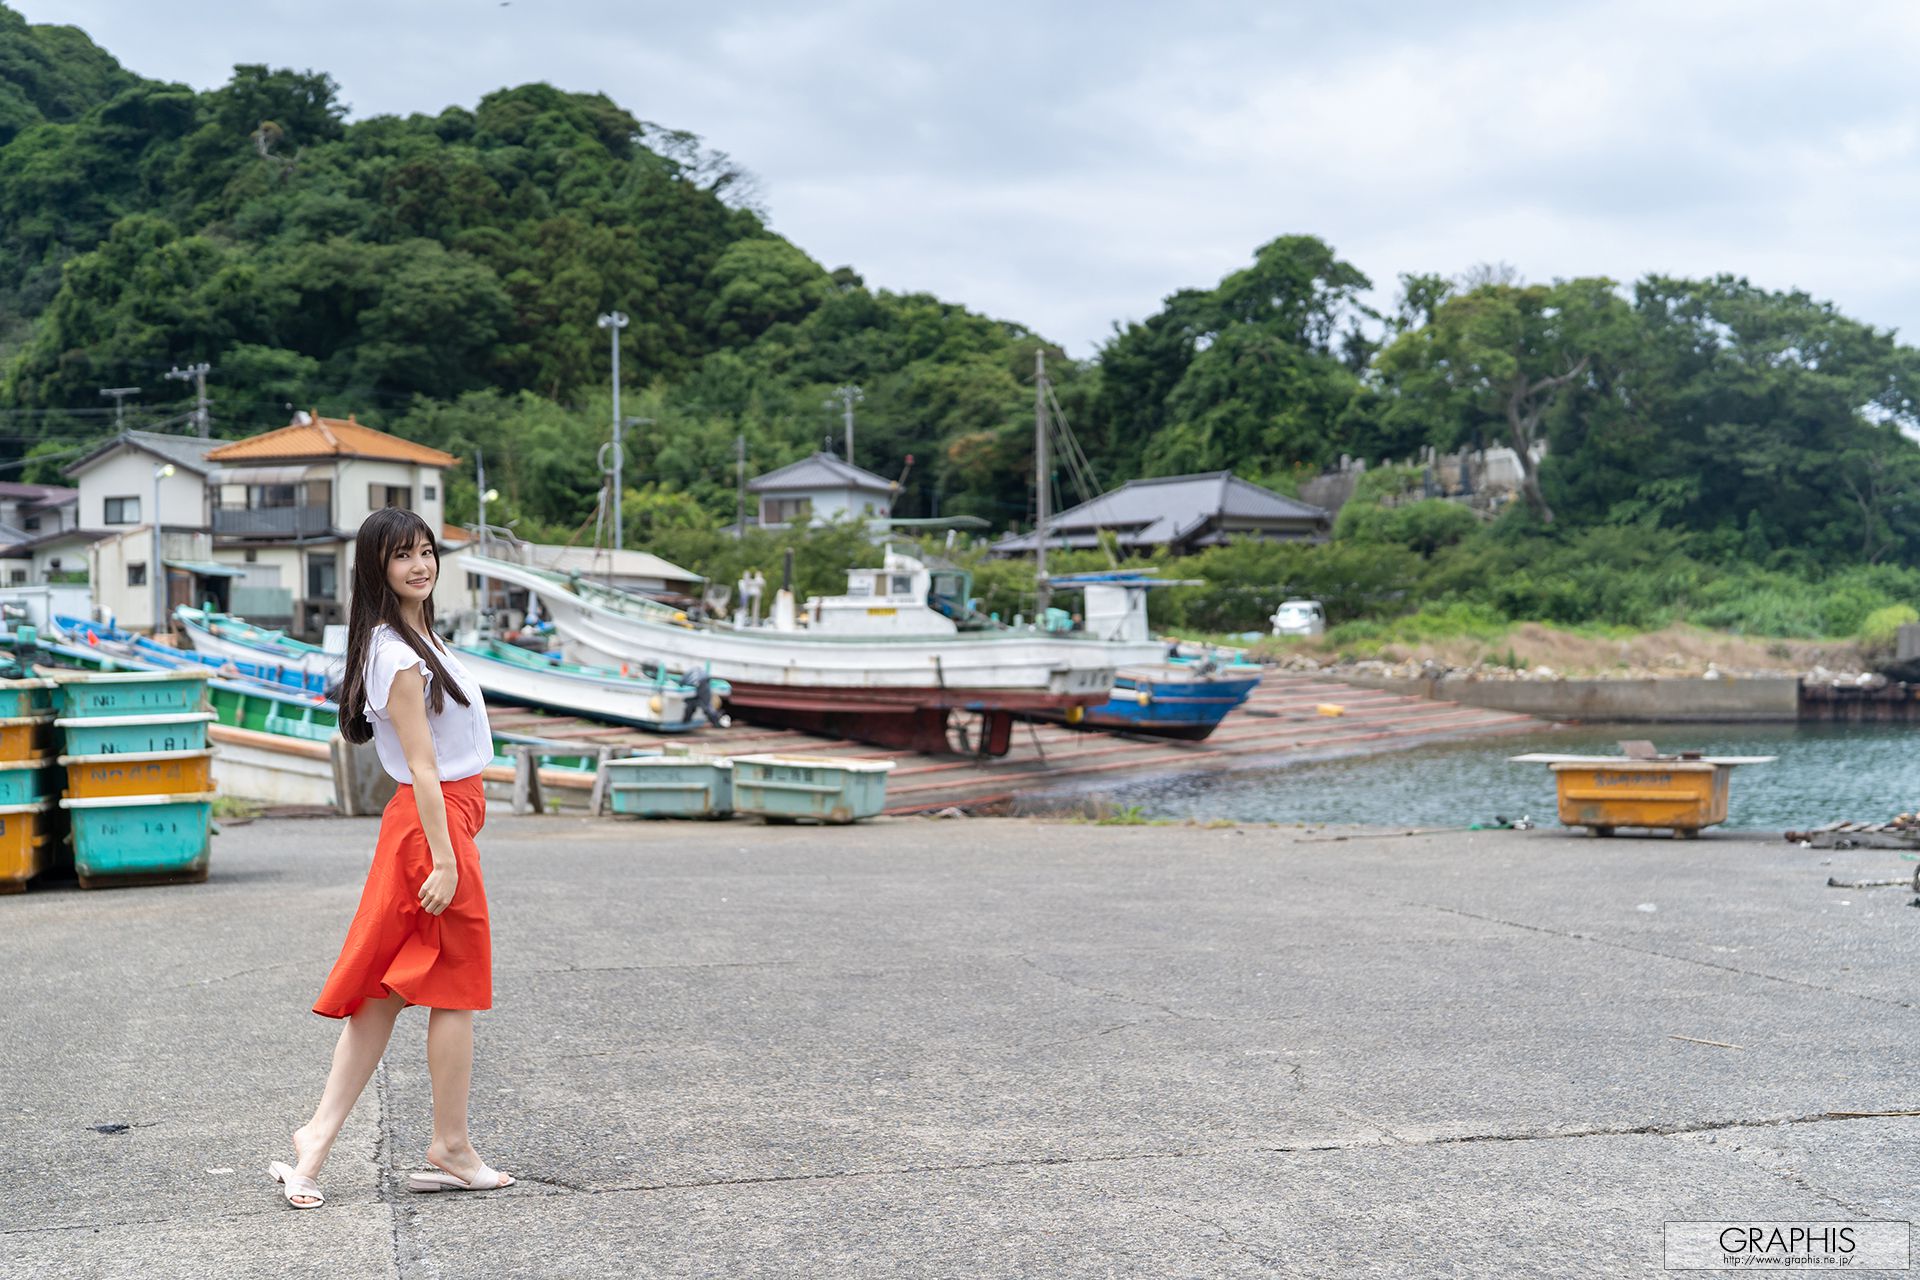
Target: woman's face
(412, 570)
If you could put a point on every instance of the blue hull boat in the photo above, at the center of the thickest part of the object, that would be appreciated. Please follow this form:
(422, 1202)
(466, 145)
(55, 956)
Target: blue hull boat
(1178, 700)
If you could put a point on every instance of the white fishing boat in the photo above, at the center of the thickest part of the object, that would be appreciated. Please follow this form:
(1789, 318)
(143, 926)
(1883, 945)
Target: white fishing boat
(885, 662)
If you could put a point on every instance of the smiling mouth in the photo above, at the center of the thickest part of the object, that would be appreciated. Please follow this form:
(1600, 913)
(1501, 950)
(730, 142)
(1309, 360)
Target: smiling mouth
(418, 582)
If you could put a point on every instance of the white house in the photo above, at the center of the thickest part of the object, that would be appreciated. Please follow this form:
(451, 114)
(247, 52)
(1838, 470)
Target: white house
(39, 526)
(123, 486)
(820, 489)
(286, 506)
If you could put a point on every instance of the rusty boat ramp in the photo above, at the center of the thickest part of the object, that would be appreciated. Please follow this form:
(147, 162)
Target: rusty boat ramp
(1287, 717)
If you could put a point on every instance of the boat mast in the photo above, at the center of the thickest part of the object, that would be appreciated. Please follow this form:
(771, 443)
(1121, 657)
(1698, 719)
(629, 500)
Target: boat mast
(1043, 591)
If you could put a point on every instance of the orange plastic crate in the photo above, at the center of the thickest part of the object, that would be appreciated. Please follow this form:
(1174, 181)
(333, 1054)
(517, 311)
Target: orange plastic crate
(156, 773)
(24, 737)
(24, 842)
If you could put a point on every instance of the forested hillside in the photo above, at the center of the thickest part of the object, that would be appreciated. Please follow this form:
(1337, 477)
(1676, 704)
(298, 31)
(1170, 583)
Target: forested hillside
(441, 276)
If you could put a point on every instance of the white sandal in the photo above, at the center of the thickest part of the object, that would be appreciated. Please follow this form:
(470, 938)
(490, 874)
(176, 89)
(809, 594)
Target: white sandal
(296, 1184)
(487, 1179)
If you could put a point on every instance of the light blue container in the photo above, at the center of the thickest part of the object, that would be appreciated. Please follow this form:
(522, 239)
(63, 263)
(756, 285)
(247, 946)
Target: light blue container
(129, 693)
(809, 788)
(109, 735)
(28, 781)
(25, 697)
(670, 786)
(121, 840)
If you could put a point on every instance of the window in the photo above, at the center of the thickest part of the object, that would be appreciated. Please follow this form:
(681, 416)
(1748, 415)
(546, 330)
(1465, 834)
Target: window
(137, 574)
(31, 524)
(785, 510)
(16, 577)
(389, 495)
(251, 555)
(123, 511)
(428, 493)
(322, 579)
(902, 584)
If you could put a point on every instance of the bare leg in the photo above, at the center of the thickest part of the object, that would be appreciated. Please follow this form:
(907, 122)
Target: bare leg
(450, 1063)
(357, 1053)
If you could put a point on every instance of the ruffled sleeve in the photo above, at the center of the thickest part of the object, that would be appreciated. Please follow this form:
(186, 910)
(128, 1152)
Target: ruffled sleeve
(390, 657)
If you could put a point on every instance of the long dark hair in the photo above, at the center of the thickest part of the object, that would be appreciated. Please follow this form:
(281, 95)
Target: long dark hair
(372, 602)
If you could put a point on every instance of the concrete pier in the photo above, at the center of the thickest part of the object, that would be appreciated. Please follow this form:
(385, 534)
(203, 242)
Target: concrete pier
(982, 1048)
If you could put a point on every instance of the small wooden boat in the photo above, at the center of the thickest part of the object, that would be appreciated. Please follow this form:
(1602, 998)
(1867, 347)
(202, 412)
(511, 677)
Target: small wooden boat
(234, 639)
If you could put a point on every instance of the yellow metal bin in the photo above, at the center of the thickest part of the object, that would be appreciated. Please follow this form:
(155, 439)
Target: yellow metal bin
(1681, 794)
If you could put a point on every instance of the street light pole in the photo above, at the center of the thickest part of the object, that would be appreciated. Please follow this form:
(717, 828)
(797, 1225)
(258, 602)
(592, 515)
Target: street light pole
(158, 567)
(615, 321)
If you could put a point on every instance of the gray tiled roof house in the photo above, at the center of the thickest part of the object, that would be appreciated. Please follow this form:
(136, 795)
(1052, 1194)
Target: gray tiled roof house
(1181, 513)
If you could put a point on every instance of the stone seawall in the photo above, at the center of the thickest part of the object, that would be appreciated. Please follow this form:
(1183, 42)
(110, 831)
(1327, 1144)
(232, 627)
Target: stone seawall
(1753, 698)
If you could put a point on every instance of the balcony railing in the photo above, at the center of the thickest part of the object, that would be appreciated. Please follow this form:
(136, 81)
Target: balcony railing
(270, 522)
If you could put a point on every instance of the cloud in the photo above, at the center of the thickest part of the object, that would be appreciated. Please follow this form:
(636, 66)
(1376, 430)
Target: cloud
(1068, 166)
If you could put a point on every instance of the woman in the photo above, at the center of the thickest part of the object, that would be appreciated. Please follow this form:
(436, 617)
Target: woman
(421, 934)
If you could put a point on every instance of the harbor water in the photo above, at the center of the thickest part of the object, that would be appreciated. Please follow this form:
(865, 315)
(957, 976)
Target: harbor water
(1825, 772)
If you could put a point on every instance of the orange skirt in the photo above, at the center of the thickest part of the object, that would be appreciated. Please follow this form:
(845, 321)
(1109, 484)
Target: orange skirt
(393, 945)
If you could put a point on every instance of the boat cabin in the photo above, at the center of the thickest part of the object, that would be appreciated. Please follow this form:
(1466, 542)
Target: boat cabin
(893, 600)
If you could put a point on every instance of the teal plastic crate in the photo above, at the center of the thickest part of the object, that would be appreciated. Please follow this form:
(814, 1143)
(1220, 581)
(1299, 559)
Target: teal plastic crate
(29, 781)
(809, 788)
(140, 839)
(108, 735)
(127, 693)
(25, 697)
(670, 786)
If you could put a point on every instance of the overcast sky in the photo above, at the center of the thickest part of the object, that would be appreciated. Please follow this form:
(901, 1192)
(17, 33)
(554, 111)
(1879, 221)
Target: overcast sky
(1068, 165)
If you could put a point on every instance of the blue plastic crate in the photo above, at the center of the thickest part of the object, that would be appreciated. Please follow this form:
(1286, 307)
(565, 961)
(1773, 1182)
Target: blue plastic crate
(127, 693)
(670, 786)
(109, 735)
(28, 781)
(809, 788)
(25, 697)
(140, 838)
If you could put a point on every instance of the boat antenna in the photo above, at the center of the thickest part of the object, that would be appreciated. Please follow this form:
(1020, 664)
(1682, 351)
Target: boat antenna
(1043, 590)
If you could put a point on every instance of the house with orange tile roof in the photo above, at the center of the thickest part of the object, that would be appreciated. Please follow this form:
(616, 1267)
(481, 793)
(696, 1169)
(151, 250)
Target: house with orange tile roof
(285, 507)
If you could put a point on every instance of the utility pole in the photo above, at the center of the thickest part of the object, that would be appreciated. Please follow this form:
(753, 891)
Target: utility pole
(1043, 590)
(198, 372)
(846, 397)
(740, 486)
(614, 322)
(119, 395)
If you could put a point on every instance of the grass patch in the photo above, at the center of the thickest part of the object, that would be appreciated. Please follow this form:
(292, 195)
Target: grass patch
(235, 809)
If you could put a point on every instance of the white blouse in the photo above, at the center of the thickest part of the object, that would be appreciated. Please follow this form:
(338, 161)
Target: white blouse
(462, 738)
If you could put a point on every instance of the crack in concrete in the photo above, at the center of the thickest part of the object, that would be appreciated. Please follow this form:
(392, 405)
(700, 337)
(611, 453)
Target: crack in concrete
(383, 1166)
(1226, 1235)
(227, 977)
(650, 968)
(1331, 1146)
(1616, 945)
(1085, 1035)
(1122, 996)
(1337, 1145)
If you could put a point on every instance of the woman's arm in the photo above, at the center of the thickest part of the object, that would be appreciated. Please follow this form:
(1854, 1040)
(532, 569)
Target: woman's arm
(407, 707)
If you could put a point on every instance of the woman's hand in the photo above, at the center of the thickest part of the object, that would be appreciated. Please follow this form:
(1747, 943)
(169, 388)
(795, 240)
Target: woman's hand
(438, 891)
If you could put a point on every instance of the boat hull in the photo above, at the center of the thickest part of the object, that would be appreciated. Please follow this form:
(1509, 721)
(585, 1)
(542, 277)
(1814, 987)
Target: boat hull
(660, 708)
(317, 669)
(1165, 703)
